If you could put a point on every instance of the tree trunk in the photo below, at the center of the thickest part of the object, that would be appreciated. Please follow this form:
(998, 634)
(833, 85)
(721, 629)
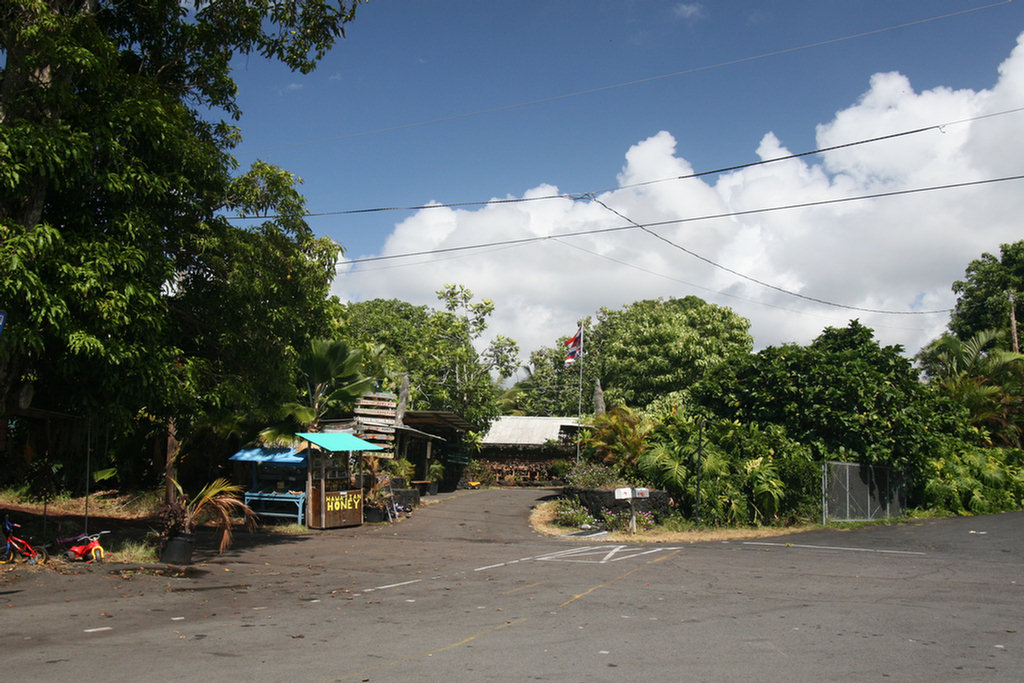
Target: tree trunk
(171, 464)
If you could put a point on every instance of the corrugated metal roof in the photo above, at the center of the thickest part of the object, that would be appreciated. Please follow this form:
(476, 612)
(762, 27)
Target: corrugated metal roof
(522, 430)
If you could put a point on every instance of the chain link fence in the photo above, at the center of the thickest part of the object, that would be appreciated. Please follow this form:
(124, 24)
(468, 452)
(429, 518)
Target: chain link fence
(852, 492)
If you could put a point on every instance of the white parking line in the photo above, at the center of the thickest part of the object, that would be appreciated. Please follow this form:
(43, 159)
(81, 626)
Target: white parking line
(591, 554)
(391, 585)
(836, 547)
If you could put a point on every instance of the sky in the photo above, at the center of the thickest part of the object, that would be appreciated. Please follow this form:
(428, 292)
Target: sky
(556, 143)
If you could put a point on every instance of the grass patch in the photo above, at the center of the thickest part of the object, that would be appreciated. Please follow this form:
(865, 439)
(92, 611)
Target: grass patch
(289, 529)
(544, 520)
(132, 552)
(111, 503)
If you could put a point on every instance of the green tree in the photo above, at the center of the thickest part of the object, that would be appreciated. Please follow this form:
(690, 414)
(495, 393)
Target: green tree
(985, 379)
(437, 349)
(331, 378)
(619, 438)
(552, 388)
(843, 394)
(984, 295)
(654, 347)
(114, 169)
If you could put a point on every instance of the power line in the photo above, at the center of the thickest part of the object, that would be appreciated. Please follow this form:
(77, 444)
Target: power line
(698, 174)
(648, 79)
(755, 280)
(676, 221)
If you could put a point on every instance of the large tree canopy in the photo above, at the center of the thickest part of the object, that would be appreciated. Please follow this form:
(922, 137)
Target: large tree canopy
(843, 394)
(985, 294)
(654, 347)
(436, 348)
(126, 288)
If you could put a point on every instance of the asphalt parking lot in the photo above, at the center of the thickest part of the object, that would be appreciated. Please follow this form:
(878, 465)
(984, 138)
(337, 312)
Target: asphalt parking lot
(465, 589)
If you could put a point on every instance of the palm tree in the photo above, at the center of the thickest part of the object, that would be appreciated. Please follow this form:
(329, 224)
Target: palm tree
(619, 436)
(219, 499)
(331, 374)
(984, 380)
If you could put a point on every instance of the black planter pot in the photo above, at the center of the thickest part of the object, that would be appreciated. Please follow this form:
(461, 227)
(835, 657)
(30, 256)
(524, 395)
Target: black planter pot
(372, 515)
(178, 549)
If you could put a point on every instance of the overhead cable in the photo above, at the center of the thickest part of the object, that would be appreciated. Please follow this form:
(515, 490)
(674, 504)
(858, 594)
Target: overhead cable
(755, 280)
(676, 221)
(698, 174)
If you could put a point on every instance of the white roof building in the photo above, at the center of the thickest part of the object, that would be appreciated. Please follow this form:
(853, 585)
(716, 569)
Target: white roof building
(522, 430)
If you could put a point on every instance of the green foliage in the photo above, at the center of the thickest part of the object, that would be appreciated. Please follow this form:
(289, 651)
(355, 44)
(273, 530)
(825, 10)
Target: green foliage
(975, 480)
(477, 470)
(127, 290)
(745, 473)
(402, 467)
(843, 394)
(986, 380)
(619, 438)
(551, 388)
(619, 520)
(654, 347)
(982, 296)
(436, 349)
(590, 475)
(559, 468)
(571, 513)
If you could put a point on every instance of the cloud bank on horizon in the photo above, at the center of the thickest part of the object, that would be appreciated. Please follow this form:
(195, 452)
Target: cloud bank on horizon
(896, 253)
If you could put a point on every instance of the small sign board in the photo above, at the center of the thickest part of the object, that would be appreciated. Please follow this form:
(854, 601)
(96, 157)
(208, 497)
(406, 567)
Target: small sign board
(3, 319)
(623, 493)
(641, 493)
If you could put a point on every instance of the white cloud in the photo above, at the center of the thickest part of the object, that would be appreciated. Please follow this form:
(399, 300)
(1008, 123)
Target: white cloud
(289, 89)
(896, 253)
(689, 10)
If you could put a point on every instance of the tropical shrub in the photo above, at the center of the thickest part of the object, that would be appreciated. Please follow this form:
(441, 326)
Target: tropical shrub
(618, 520)
(975, 480)
(570, 512)
(592, 475)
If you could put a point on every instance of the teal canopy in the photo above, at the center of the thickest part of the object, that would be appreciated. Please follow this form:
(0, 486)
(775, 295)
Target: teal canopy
(338, 441)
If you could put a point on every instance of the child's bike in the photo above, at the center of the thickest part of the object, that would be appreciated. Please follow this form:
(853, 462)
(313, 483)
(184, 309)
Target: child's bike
(14, 546)
(83, 547)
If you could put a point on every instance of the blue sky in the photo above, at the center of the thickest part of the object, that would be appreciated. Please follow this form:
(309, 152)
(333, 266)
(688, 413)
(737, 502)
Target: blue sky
(466, 101)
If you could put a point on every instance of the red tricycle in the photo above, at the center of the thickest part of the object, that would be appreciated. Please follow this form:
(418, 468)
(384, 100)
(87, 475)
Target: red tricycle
(83, 547)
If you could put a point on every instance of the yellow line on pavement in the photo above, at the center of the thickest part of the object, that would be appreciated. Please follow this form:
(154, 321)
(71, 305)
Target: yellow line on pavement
(617, 578)
(400, 660)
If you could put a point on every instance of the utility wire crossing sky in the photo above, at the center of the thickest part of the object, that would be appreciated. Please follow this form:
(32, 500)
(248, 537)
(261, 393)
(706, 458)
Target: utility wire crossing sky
(443, 138)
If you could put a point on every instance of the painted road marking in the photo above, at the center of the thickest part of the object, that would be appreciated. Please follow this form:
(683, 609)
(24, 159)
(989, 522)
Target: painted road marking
(592, 554)
(97, 630)
(391, 585)
(836, 547)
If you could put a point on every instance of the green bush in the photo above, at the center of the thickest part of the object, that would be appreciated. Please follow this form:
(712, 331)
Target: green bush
(589, 475)
(570, 512)
(618, 520)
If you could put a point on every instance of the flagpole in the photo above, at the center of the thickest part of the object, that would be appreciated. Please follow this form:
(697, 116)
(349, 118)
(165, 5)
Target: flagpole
(579, 408)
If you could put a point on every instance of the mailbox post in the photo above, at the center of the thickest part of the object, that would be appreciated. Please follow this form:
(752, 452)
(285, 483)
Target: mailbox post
(631, 494)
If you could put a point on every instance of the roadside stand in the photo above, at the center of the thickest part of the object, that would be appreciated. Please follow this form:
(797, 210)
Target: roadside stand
(311, 484)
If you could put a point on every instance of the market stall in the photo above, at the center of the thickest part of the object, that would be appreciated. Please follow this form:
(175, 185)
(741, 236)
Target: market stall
(333, 502)
(279, 477)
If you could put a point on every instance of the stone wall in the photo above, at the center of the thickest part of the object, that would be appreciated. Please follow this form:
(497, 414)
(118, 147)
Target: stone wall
(596, 500)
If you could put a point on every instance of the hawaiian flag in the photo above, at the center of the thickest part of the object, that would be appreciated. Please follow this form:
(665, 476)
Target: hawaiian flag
(575, 346)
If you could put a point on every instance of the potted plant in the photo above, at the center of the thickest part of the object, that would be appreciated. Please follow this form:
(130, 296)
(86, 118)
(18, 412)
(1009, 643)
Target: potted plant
(218, 500)
(435, 473)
